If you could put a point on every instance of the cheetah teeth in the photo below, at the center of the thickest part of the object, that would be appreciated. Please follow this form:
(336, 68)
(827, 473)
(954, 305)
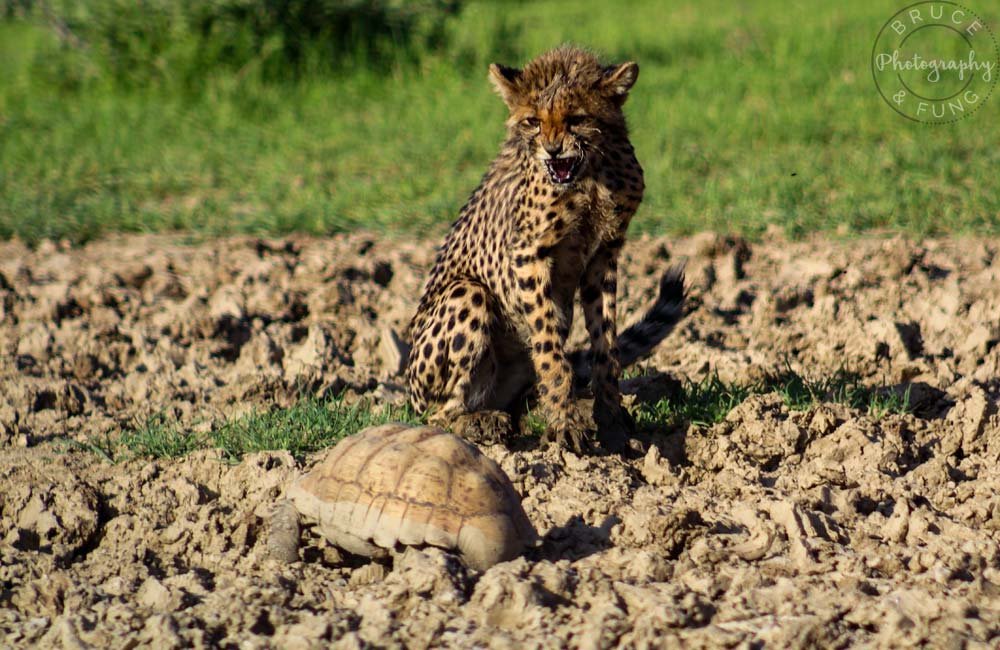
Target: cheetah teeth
(562, 170)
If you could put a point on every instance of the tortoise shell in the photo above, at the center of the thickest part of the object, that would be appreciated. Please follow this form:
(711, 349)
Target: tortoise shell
(397, 484)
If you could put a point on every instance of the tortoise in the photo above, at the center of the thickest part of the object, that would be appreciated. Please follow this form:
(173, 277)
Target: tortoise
(398, 484)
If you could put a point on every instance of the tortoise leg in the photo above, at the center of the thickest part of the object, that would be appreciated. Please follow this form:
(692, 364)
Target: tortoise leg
(354, 544)
(283, 541)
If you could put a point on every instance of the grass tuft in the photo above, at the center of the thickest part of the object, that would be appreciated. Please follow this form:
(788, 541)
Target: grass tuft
(534, 424)
(703, 403)
(710, 400)
(885, 401)
(158, 438)
(308, 426)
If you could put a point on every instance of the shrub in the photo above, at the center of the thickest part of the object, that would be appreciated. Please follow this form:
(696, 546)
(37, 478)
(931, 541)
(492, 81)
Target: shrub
(138, 42)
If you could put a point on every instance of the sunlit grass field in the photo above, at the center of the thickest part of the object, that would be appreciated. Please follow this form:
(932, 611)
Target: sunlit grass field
(744, 115)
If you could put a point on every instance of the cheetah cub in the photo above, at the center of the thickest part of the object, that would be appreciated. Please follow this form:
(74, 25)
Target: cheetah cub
(547, 220)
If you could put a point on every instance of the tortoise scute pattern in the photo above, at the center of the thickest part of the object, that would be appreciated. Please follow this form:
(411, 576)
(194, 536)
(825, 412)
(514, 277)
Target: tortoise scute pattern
(396, 484)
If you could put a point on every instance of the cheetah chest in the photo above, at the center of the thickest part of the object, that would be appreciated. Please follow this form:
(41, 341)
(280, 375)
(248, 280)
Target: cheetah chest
(595, 223)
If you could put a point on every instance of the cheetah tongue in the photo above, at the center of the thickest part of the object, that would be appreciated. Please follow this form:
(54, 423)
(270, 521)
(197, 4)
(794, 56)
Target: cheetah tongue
(561, 169)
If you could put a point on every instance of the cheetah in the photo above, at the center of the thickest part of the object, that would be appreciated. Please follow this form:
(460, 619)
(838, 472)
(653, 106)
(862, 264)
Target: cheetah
(547, 221)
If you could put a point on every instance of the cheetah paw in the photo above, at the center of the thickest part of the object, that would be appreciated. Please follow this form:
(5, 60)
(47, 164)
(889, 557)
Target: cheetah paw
(484, 427)
(615, 426)
(575, 440)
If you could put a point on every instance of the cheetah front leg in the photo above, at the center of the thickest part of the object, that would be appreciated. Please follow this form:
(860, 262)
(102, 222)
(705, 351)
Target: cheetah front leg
(547, 338)
(598, 294)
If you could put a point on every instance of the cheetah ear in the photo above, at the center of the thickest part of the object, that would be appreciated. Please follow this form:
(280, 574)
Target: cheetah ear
(504, 81)
(618, 80)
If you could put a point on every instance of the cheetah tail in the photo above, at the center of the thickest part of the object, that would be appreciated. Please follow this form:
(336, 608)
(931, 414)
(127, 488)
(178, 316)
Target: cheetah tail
(641, 338)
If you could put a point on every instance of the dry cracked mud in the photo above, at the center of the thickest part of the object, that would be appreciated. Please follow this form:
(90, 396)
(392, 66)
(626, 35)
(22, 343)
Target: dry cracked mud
(828, 526)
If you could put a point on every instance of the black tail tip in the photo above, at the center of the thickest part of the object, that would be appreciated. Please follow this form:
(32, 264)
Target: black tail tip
(672, 285)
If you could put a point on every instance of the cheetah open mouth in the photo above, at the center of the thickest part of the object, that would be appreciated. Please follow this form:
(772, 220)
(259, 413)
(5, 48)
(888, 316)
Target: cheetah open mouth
(563, 170)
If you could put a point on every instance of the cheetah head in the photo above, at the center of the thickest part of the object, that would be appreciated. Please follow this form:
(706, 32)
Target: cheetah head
(563, 106)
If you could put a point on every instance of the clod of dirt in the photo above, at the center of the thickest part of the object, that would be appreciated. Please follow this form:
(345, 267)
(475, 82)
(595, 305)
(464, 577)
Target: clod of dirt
(47, 513)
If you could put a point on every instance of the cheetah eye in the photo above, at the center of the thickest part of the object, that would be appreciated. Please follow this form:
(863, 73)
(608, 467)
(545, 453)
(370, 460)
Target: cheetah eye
(530, 122)
(575, 120)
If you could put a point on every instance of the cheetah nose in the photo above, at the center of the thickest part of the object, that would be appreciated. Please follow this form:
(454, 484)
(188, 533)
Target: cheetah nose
(553, 148)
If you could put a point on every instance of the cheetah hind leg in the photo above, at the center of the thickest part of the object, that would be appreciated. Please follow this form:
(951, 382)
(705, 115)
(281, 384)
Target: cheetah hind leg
(470, 412)
(453, 365)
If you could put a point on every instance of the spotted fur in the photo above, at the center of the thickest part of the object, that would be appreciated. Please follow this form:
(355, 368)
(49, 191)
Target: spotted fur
(547, 221)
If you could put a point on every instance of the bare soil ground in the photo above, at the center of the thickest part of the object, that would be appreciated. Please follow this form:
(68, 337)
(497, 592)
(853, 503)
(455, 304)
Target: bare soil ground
(829, 526)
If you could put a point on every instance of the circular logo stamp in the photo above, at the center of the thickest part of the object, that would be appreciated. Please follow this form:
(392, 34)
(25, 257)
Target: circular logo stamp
(935, 62)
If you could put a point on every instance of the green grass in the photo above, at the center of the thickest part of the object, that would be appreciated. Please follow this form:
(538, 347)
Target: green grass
(709, 401)
(800, 393)
(157, 437)
(703, 403)
(306, 427)
(313, 424)
(744, 115)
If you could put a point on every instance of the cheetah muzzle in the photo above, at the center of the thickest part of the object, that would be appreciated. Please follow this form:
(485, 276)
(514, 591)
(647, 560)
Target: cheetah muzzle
(542, 233)
(563, 170)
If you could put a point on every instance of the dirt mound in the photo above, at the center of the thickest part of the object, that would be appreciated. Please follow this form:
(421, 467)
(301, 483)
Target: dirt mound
(827, 524)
